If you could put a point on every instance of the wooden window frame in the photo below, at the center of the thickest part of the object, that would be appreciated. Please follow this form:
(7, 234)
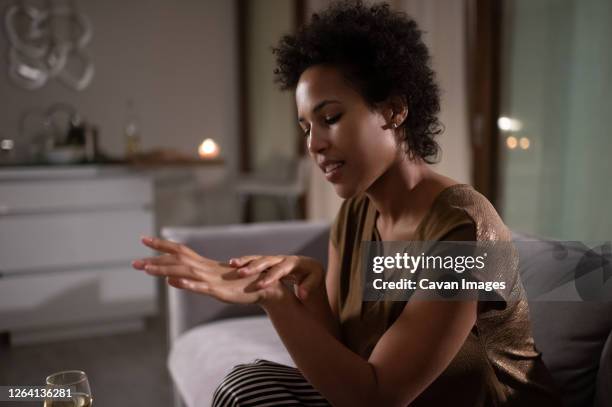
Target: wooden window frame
(484, 28)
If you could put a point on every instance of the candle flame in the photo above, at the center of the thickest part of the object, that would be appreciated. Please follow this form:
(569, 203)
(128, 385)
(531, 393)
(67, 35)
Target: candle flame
(208, 149)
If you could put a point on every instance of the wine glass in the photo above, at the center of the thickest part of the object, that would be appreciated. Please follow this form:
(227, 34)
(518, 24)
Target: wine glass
(76, 381)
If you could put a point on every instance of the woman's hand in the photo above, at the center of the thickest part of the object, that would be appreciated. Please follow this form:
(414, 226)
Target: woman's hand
(184, 268)
(305, 272)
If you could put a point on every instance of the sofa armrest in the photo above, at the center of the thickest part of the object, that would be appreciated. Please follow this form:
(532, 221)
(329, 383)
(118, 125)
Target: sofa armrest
(187, 309)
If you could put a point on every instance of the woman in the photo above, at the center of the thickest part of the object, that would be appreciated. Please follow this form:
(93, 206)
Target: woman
(367, 103)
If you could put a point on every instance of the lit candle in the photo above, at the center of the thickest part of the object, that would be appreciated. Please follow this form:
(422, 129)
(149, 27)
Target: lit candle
(511, 142)
(208, 149)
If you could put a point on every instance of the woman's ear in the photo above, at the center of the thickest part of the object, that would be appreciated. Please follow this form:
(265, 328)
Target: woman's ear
(395, 112)
(400, 110)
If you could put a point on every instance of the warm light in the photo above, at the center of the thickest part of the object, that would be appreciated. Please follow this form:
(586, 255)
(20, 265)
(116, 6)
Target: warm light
(511, 142)
(7, 144)
(509, 124)
(524, 143)
(208, 149)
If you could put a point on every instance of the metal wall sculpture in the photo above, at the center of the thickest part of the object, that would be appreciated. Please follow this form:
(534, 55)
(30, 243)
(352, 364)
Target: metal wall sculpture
(48, 42)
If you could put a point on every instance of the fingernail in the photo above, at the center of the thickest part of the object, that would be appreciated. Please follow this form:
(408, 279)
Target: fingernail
(232, 261)
(147, 239)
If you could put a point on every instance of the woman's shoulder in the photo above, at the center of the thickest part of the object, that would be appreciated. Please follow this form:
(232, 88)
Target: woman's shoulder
(460, 205)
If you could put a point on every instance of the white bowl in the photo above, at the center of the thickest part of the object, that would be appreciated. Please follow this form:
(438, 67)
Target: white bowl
(65, 155)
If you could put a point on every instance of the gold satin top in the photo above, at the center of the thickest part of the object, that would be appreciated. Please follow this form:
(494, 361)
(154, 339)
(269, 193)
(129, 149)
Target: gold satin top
(498, 365)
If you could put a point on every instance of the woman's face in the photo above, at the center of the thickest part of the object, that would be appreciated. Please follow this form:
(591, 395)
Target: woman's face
(344, 136)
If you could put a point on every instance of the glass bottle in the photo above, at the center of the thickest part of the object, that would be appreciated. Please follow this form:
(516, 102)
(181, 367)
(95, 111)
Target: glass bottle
(131, 131)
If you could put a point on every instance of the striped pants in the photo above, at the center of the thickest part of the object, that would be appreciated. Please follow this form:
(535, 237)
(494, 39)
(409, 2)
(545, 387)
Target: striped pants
(264, 383)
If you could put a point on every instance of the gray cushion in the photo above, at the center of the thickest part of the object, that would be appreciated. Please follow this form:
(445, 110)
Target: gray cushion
(570, 334)
(204, 355)
(603, 396)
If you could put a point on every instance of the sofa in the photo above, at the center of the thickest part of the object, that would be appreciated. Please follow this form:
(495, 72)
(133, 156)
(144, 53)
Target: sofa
(207, 337)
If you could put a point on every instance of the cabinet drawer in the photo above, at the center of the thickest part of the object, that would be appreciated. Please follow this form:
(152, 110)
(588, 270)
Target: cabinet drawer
(71, 240)
(71, 194)
(33, 301)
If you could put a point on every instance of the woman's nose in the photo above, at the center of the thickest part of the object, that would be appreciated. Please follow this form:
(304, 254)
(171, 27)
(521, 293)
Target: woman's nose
(317, 142)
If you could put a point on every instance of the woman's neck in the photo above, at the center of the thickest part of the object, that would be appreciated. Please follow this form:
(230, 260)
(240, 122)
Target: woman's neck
(405, 192)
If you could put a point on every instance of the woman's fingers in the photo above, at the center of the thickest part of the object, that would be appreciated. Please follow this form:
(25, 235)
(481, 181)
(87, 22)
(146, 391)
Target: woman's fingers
(171, 265)
(174, 270)
(166, 246)
(286, 269)
(161, 245)
(307, 285)
(187, 284)
(241, 261)
(163, 259)
(259, 265)
(275, 273)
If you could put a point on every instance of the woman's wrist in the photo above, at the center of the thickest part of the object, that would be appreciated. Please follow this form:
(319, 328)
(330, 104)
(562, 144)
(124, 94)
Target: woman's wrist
(275, 296)
(312, 280)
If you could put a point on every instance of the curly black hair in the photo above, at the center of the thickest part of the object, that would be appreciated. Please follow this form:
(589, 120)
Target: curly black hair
(378, 50)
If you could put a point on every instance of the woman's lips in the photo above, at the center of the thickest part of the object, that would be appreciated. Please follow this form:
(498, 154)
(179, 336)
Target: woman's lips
(333, 171)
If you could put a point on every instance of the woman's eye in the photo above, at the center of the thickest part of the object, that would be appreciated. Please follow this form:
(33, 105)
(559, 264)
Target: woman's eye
(333, 119)
(306, 132)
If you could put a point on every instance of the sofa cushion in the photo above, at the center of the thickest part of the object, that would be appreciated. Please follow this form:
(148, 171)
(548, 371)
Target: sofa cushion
(204, 355)
(570, 334)
(603, 396)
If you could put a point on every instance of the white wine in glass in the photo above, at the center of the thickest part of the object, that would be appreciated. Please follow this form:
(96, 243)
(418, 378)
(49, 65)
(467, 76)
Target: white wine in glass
(76, 381)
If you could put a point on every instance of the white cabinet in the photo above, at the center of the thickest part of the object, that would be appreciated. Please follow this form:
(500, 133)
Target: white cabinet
(66, 242)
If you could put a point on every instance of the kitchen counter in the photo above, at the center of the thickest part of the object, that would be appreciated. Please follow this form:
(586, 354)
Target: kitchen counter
(42, 171)
(68, 234)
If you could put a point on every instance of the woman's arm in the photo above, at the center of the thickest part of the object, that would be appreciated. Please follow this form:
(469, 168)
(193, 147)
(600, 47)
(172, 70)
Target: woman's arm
(323, 301)
(411, 354)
